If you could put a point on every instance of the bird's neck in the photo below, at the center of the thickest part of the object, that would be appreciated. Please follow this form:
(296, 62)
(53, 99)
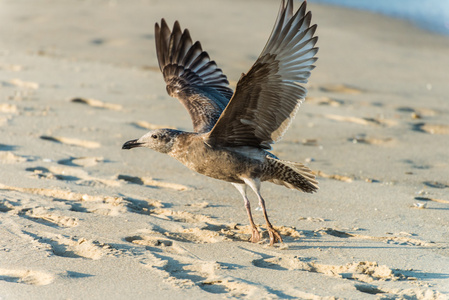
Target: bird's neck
(182, 144)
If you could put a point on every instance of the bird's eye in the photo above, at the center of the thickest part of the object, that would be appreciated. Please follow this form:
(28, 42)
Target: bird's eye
(154, 136)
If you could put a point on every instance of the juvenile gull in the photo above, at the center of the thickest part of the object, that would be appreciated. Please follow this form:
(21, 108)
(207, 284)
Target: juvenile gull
(233, 131)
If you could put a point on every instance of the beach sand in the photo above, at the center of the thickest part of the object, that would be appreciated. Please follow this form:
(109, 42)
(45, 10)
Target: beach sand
(82, 219)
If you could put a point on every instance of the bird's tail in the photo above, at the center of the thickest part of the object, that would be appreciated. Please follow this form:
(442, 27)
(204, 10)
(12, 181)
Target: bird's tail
(292, 175)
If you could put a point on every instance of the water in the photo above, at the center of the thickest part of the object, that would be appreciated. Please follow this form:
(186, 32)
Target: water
(432, 15)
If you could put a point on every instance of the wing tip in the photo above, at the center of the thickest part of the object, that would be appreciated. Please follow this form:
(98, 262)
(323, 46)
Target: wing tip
(163, 23)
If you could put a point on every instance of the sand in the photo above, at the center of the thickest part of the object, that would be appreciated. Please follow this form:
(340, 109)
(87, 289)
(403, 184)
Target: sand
(82, 219)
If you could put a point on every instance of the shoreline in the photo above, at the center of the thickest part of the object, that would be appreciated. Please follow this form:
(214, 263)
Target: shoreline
(430, 16)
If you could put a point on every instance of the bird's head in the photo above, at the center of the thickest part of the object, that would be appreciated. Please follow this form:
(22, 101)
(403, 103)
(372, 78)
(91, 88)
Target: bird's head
(161, 140)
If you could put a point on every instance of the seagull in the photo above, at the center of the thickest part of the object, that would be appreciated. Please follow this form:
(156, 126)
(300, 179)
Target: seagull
(233, 131)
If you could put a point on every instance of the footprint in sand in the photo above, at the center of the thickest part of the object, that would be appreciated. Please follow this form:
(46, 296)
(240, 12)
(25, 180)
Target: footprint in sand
(432, 128)
(363, 271)
(209, 230)
(148, 181)
(71, 247)
(67, 173)
(26, 277)
(393, 239)
(147, 240)
(436, 184)
(196, 235)
(42, 172)
(81, 161)
(183, 216)
(429, 199)
(185, 271)
(6, 206)
(97, 103)
(46, 217)
(85, 203)
(100, 204)
(109, 206)
(8, 157)
(71, 141)
(363, 274)
(417, 113)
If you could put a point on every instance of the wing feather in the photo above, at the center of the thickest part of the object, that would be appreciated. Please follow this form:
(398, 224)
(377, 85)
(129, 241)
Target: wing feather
(268, 96)
(191, 76)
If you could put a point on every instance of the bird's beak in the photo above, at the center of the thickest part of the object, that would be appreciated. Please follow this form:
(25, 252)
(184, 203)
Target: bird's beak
(131, 144)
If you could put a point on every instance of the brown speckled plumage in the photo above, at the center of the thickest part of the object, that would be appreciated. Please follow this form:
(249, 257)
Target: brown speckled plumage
(290, 174)
(233, 131)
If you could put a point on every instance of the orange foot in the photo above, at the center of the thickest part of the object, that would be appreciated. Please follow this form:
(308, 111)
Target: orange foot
(274, 235)
(255, 235)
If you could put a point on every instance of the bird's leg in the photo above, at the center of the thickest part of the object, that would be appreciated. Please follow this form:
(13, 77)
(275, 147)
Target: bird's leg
(255, 235)
(274, 235)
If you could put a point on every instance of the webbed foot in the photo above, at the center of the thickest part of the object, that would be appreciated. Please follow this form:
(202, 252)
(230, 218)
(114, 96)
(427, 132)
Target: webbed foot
(275, 237)
(255, 235)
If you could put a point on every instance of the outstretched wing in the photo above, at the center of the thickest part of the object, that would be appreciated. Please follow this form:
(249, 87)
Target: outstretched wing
(267, 98)
(191, 76)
